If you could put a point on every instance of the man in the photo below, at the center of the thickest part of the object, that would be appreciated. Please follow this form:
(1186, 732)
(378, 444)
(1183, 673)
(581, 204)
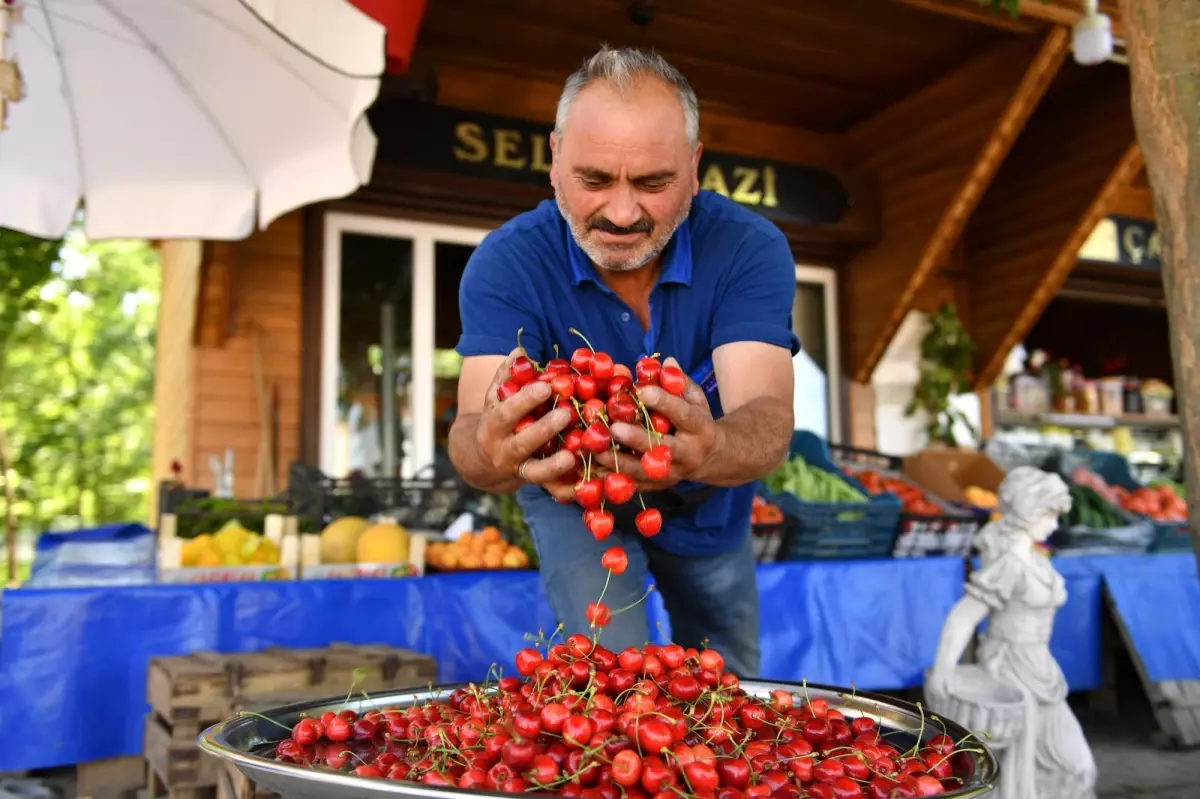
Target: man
(640, 261)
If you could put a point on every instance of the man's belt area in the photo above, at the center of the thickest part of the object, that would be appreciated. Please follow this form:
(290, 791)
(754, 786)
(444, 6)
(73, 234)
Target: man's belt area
(671, 503)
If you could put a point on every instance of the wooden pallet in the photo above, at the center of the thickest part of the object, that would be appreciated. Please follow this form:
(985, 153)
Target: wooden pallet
(113, 778)
(233, 784)
(1176, 703)
(207, 687)
(188, 694)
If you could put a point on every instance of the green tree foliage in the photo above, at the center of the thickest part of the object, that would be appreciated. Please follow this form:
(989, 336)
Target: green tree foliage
(78, 387)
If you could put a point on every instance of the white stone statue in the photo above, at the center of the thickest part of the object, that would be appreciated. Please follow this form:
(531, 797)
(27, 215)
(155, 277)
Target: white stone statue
(1016, 692)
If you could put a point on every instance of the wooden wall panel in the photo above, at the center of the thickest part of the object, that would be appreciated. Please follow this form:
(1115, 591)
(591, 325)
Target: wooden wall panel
(935, 154)
(1135, 201)
(828, 65)
(1066, 173)
(465, 86)
(173, 360)
(265, 299)
(473, 89)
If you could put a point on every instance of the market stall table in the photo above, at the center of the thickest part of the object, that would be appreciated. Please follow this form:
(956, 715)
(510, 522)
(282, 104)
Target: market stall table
(75, 659)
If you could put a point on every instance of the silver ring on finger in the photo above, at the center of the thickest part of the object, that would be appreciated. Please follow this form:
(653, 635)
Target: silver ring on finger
(524, 465)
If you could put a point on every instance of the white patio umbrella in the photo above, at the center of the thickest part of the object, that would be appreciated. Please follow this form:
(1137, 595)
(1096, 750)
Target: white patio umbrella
(181, 118)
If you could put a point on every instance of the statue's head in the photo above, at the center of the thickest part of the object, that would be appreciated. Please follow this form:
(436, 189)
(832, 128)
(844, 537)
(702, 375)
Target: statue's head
(1031, 502)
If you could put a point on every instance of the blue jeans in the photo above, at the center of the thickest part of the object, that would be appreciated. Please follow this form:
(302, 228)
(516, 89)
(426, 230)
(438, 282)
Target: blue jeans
(711, 601)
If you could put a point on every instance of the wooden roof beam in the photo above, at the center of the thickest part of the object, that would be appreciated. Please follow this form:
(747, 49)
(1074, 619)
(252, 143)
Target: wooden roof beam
(1033, 15)
(935, 153)
(974, 12)
(1067, 173)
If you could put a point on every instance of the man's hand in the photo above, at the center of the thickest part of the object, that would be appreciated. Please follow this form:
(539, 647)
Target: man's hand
(514, 454)
(695, 438)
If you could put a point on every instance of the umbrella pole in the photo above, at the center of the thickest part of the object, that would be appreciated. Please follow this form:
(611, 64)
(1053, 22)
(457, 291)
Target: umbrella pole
(387, 391)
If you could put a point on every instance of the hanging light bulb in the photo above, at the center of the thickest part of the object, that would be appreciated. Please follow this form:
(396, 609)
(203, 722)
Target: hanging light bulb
(1092, 39)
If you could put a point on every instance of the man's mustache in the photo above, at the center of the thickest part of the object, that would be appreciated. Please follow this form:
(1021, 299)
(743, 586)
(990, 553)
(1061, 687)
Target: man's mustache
(643, 225)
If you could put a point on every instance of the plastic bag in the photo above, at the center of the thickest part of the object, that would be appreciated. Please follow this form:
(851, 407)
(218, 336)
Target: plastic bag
(121, 554)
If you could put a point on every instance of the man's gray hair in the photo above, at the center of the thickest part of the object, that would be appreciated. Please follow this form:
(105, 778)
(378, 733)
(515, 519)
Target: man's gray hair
(620, 67)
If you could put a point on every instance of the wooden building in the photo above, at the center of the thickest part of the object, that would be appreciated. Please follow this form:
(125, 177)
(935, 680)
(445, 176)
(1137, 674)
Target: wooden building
(913, 151)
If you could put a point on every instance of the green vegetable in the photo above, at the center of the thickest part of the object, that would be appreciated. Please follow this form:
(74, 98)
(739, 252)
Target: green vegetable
(810, 483)
(1090, 509)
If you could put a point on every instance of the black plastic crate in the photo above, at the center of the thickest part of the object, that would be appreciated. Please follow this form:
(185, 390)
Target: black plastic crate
(197, 511)
(918, 535)
(432, 500)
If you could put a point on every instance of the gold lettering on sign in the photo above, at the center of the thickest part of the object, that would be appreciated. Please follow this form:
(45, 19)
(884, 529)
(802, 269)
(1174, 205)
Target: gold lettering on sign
(508, 147)
(472, 147)
(744, 192)
(714, 180)
(746, 180)
(541, 153)
(770, 198)
(511, 149)
(1139, 247)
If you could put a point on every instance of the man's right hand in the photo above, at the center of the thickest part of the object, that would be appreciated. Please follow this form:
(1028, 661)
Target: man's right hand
(514, 454)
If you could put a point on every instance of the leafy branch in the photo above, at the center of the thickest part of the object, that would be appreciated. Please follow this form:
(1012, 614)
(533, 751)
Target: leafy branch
(947, 353)
(1013, 7)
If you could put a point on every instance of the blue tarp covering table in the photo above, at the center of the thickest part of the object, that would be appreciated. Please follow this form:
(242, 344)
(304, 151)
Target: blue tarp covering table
(1158, 599)
(73, 661)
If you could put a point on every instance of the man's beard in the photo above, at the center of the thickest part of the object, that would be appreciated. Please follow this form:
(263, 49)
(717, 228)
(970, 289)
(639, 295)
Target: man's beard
(602, 256)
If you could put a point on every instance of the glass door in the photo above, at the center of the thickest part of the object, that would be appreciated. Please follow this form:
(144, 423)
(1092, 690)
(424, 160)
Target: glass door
(389, 325)
(817, 400)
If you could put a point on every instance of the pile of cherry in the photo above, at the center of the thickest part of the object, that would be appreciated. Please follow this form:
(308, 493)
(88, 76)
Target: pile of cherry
(598, 392)
(651, 723)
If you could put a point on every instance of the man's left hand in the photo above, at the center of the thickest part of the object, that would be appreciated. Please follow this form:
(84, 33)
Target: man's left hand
(692, 443)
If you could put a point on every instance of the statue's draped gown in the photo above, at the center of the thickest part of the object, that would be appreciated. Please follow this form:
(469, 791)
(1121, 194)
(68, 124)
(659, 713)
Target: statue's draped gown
(1024, 592)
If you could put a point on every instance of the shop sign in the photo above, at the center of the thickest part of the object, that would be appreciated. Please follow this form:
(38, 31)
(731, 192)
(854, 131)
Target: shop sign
(433, 138)
(1138, 242)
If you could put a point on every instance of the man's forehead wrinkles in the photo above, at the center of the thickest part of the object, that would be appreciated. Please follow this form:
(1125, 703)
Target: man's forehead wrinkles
(597, 172)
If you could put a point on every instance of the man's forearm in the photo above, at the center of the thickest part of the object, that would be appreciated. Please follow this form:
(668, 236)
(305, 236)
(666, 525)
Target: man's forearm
(470, 463)
(752, 442)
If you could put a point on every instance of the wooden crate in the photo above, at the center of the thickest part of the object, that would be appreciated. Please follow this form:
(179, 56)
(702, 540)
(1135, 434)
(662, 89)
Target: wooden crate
(233, 784)
(1176, 703)
(113, 778)
(173, 757)
(205, 688)
(188, 694)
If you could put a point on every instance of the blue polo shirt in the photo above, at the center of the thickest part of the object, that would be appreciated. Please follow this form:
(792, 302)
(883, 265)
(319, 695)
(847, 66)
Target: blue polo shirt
(728, 275)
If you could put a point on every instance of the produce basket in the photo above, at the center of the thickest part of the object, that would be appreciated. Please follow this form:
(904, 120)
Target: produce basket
(929, 525)
(340, 551)
(966, 479)
(829, 530)
(1116, 509)
(768, 528)
(1096, 526)
(247, 741)
(232, 554)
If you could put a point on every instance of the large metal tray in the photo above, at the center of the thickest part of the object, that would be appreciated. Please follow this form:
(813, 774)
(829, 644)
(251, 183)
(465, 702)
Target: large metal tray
(246, 742)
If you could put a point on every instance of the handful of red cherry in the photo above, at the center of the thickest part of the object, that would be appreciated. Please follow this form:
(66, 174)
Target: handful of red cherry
(599, 392)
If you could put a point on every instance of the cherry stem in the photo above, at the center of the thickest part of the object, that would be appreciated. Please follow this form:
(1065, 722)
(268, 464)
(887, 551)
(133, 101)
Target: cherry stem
(265, 718)
(645, 596)
(604, 590)
(641, 501)
(650, 431)
(575, 332)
